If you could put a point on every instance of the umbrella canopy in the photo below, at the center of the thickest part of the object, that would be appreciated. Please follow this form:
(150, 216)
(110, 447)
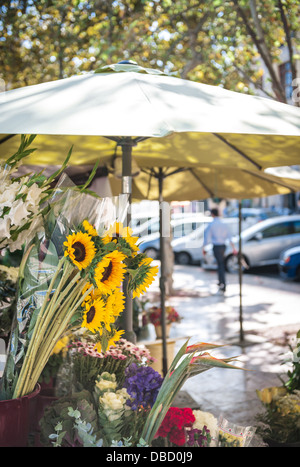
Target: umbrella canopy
(208, 182)
(188, 123)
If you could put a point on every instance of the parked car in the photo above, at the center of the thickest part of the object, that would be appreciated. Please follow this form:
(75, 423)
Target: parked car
(150, 244)
(289, 263)
(251, 216)
(189, 249)
(262, 243)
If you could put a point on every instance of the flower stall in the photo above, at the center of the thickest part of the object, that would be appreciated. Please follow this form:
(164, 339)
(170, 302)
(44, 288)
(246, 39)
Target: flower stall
(65, 328)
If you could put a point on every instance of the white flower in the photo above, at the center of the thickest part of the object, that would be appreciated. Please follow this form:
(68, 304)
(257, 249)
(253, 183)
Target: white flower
(104, 385)
(34, 195)
(205, 419)
(9, 193)
(114, 401)
(5, 227)
(18, 243)
(18, 213)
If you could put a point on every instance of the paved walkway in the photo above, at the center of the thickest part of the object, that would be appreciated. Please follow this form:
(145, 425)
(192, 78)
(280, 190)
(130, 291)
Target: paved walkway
(271, 319)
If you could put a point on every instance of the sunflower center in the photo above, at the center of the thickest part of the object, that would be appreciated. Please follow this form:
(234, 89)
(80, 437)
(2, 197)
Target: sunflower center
(79, 251)
(107, 272)
(90, 314)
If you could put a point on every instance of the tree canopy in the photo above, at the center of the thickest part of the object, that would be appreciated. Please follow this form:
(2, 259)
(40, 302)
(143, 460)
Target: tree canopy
(231, 43)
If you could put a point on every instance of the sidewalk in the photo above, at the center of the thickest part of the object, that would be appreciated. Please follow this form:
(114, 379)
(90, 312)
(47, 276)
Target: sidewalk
(271, 319)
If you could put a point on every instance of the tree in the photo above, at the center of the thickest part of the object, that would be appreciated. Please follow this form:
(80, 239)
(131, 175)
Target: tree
(228, 43)
(52, 39)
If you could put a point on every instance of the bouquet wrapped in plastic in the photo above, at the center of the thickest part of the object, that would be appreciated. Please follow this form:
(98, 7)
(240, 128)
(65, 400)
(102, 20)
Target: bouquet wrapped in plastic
(23, 199)
(71, 276)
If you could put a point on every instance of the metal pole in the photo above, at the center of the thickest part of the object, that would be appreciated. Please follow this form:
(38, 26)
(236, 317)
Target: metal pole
(127, 316)
(162, 274)
(240, 271)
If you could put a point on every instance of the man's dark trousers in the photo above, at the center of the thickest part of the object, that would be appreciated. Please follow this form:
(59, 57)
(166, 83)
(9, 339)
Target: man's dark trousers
(219, 251)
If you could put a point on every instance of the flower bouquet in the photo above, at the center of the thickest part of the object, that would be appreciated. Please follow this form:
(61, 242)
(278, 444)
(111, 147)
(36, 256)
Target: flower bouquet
(87, 363)
(23, 200)
(279, 424)
(71, 276)
(112, 413)
(187, 427)
(189, 361)
(135, 410)
(154, 316)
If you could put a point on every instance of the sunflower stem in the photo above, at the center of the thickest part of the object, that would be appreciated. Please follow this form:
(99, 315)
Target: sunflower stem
(55, 334)
(46, 314)
(27, 358)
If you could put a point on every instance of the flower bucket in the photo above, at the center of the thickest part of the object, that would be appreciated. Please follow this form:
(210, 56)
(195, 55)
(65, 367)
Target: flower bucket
(155, 349)
(15, 419)
(158, 331)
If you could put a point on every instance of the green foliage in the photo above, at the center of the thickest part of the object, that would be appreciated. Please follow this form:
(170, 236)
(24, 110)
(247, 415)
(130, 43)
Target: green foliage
(85, 434)
(281, 422)
(59, 413)
(217, 42)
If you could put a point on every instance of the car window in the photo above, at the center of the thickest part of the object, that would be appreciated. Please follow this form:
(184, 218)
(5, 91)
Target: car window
(296, 227)
(284, 228)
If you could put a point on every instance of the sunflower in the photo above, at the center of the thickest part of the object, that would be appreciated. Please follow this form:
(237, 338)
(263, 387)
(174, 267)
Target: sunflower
(93, 295)
(144, 277)
(116, 231)
(89, 228)
(111, 341)
(109, 272)
(93, 315)
(115, 302)
(123, 235)
(80, 248)
(114, 307)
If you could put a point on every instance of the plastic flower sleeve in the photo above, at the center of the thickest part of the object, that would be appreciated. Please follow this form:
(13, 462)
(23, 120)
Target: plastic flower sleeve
(232, 435)
(41, 274)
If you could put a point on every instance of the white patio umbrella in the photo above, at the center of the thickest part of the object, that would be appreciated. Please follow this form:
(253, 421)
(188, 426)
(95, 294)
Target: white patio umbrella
(162, 120)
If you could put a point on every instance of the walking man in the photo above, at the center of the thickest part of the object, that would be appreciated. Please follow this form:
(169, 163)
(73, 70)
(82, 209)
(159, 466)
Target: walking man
(218, 233)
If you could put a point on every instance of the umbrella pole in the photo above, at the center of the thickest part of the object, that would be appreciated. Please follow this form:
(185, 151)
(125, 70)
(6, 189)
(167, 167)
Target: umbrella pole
(240, 271)
(162, 275)
(127, 320)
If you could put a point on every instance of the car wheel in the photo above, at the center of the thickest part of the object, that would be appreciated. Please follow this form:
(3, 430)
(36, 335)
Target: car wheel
(232, 263)
(298, 274)
(151, 252)
(183, 258)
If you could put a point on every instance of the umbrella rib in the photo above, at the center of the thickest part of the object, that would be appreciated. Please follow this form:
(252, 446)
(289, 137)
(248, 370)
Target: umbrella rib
(241, 153)
(6, 138)
(176, 171)
(201, 183)
(275, 182)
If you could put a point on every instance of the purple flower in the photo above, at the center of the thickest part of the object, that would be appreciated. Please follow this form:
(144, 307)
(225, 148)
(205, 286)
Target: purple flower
(200, 438)
(142, 384)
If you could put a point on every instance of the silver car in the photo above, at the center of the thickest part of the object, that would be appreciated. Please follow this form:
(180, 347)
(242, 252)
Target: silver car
(261, 244)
